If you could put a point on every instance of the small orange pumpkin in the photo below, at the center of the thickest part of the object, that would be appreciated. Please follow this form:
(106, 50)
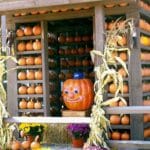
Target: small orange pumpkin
(38, 75)
(27, 31)
(19, 33)
(30, 60)
(29, 46)
(38, 60)
(115, 119)
(125, 120)
(116, 135)
(30, 104)
(125, 136)
(78, 93)
(22, 61)
(37, 45)
(21, 47)
(31, 89)
(39, 89)
(30, 75)
(23, 104)
(37, 105)
(22, 90)
(37, 30)
(22, 75)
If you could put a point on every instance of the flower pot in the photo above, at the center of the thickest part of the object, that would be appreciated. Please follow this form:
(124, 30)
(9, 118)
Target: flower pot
(77, 142)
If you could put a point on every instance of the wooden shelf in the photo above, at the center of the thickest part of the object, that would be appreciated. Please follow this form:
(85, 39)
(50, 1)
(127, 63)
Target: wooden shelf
(128, 110)
(145, 63)
(144, 32)
(28, 37)
(144, 13)
(48, 119)
(130, 144)
(145, 47)
(31, 110)
(30, 67)
(29, 81)
(147, 125)
(30, 95)
(124, 95)
(120, 126)
(146, 94)
(145, 78)
(29, 52)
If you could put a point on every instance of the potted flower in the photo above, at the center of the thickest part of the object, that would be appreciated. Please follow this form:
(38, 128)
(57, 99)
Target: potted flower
(79, 133)
(31, 130)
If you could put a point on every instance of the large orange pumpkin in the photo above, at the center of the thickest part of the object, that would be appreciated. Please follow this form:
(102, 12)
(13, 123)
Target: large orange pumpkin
(78, 93)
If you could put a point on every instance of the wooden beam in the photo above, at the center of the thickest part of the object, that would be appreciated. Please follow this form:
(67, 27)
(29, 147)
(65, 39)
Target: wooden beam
(14, 5)
(130, 144)
(128, 110)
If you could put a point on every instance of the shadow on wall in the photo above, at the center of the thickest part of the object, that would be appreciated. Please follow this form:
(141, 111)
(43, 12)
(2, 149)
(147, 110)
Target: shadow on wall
(57, 134)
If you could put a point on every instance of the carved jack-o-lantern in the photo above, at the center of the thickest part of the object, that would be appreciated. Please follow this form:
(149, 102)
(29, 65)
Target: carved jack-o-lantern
(78, 93)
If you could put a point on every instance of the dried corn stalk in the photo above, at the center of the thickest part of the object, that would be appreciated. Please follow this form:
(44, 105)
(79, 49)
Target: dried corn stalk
(104, 75)
(6, 129)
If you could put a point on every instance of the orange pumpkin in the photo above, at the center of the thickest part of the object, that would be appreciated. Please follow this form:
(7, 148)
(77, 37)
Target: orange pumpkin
(36, 30)
(115, 119)
(27, 31)
(39, 89)
(125, 120)
(22, 61)
(22, 75)
(125, 136)
(78, 93)
(116, 135)
(37, 45)
(30, 104)
(21, 46)
(19, 33)
(29, 46)
(23, 104)
(31, 89)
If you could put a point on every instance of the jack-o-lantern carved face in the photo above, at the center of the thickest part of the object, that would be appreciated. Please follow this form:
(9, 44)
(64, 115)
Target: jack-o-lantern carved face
(78, 94)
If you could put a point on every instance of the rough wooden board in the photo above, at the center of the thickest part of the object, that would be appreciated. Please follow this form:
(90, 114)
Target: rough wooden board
(70, 113)
(13, 5)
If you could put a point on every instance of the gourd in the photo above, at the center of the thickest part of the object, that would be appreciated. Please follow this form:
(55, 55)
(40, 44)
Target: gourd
(78, 93)
(37, 45)
(29, 46)
(19, 33)
(39, 89)
(23, 104)
(30, 104)
(21, 47)
(27, 31)
(30, 60)
(22, 75)
(30, 75)
(125, 120)
(115, 119)
(37, 105)
(22, 89)
(22, 61)
(36, 30)
(31, 89)
(38, 75)
(38, 60)
(35, 145)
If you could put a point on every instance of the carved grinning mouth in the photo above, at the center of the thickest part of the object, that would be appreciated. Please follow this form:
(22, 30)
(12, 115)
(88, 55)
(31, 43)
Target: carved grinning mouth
(75, 100)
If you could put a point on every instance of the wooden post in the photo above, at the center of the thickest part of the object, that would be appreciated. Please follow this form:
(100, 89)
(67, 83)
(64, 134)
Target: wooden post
(45, 68)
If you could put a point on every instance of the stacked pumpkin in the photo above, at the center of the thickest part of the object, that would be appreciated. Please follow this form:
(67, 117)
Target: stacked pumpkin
(28, 31)
(119, 135)
(30, 60)
(30, 104)
(26, 144)
(31, 89)
(30, 75)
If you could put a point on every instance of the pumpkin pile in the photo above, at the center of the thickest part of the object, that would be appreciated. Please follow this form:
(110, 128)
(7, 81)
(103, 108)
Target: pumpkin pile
(122, 4)
(119, 135)
(29, 46)
(30, 60)
(30, 75)
(26, 144)
(30, 104)
(31, 89)
(28, 31)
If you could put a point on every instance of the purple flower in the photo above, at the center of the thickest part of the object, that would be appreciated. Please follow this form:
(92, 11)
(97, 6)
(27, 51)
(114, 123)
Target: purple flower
(79, 130)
